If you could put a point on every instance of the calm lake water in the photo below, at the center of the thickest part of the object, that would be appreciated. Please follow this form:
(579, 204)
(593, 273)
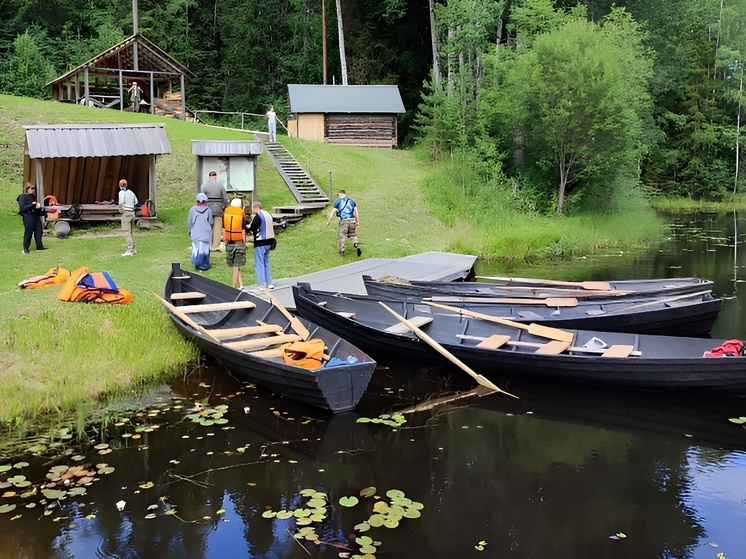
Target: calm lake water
(562, 472)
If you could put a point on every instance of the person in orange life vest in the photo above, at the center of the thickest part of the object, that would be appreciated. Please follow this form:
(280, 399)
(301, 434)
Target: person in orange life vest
(234, 232)
(262, 227)
(31, 212)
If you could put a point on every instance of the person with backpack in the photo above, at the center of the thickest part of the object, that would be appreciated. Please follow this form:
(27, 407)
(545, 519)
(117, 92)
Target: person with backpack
(31, 211)
(263, 229)
(199, 227)
(349, 220)
(234, 232)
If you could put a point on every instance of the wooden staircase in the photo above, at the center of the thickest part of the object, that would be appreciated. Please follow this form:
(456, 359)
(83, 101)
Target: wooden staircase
(308, 194)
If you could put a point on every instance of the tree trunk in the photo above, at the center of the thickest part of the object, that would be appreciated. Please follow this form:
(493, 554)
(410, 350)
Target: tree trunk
(435, 43)
(738, 130)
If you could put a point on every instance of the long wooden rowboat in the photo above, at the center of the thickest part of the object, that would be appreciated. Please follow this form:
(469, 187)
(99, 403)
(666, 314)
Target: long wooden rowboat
(611, 359)
(245, 334)
(393, 288)
(689, 314)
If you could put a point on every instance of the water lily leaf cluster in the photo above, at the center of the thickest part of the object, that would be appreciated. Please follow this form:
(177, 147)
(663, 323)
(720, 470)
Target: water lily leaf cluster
(312, 513)
(208, 416)
(395, 420)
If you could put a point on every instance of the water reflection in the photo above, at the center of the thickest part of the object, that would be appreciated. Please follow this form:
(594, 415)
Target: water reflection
(552, 474)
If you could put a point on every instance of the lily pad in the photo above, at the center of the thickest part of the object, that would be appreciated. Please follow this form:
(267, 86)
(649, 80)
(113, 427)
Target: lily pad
(368, 492)
(8, 507)
(348, 502)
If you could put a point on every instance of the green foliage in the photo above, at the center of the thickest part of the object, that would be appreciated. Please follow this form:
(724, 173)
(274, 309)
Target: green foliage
(27, 69)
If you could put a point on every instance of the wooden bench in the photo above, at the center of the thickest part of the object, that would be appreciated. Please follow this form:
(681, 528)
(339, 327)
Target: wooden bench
(267, 353)
(214, 307)
(496, 341)
(400, 328)
(221, 333)
(261, 342)
(346, 314)
(187, 295)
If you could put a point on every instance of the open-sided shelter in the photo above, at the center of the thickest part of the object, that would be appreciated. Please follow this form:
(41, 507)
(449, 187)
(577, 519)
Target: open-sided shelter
(83, 163)
(103, 81)
(357, 115)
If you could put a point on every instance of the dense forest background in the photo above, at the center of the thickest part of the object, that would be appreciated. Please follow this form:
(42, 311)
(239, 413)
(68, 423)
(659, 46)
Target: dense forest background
(537, 105)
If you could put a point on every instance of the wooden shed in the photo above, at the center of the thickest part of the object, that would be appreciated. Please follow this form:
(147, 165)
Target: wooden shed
(356, 115)
(82, 164)
(104, 80)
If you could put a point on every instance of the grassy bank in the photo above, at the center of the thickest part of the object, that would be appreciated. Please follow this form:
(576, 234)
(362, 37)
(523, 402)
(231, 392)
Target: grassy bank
(58, 356)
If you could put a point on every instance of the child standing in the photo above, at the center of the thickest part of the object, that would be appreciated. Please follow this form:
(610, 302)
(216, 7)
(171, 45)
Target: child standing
(234, 232)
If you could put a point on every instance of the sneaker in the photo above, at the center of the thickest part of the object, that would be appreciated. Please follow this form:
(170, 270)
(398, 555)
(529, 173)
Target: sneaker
(128, 253)
(42, 248)
(24, 252)
(359, 252)
(134, 251)
(270, 287)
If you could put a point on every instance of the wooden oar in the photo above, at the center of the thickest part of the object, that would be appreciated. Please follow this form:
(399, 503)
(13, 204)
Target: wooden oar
(660, 301)
(549, 301)
(444, 352)
(185, 318)
(535, 329)
(296, 324)
(593, 285)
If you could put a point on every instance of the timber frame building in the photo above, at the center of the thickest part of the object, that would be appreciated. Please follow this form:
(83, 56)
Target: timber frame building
(104, 80)
(353, 115)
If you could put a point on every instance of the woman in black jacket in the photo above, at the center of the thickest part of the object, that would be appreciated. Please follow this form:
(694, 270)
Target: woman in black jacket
(31, 212)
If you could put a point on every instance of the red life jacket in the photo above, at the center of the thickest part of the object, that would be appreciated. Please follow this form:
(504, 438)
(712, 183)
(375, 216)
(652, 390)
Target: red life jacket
(234, 220)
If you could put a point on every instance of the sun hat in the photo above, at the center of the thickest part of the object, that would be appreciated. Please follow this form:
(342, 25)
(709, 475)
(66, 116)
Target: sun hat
(236, 203)
(201, 197)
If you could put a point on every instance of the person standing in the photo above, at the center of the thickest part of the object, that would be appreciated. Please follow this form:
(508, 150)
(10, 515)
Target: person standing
(199, 227)
(217, 198)
(31, 211)
(263, 229)
(135, 97)
(349, 221)
(234, 231)
(272, 124)
(127, 204)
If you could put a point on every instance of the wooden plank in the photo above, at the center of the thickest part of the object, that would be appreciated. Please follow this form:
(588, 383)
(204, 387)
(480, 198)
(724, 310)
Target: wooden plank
(267, 353)
(401, 328)
(574, 349)
(215, 307)
(346, 314)
(261, 342)
(187, 295)
(618, 351)
(554, 347)
(221, 333)
(493, 342)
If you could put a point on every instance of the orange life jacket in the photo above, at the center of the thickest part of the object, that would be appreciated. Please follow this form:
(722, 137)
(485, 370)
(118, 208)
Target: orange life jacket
(98, 287)
(52, 277)
(308, 354)
(234, 220)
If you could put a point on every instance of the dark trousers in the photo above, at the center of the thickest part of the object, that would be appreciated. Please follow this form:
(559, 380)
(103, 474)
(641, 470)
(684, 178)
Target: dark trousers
(31, 226)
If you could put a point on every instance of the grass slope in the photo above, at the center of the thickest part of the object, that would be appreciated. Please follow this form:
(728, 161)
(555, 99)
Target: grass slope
(57, 356)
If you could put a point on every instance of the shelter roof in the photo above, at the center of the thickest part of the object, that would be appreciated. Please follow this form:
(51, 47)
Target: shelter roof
(121, 57)
(95, 140)
(345, 99)
(226, 147)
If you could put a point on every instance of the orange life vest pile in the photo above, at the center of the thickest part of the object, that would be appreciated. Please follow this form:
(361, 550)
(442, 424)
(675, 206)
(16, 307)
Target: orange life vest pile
(96, 287)
(52, 277)
(308, 354)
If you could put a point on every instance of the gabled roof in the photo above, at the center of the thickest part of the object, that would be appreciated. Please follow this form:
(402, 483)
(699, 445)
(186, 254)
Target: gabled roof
(345, 99)
(121, 56)
(95, 140)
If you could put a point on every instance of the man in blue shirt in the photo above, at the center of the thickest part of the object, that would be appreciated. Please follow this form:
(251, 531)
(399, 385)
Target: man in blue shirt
(349, 220)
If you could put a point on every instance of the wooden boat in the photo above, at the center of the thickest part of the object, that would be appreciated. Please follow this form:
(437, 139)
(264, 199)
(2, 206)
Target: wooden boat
(246, 334)
(679, 315)
(611, 359)
(395, 288)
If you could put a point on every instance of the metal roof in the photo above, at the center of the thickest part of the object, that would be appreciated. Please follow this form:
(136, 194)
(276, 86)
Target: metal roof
(345, 99)
(121, 56)
(95, 140)
(226, 147)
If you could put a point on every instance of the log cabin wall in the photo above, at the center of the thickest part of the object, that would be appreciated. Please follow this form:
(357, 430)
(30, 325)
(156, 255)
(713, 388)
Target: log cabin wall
(367, 130)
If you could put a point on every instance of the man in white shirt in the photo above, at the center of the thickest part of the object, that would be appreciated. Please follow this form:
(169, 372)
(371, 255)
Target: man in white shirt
(127, 204)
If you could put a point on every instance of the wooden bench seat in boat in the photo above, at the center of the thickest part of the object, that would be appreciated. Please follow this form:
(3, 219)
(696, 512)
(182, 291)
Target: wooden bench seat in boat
(497, 341)
(262, 342)
(214, 307)
(221, 333)
(401, 328)
(187, 295)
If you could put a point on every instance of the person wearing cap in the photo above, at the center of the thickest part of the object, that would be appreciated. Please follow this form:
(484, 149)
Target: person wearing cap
(346, 210)
(199, 227)
(135, 97)
(234, 232)
(217, 198)
(127, 204)
(31, 211)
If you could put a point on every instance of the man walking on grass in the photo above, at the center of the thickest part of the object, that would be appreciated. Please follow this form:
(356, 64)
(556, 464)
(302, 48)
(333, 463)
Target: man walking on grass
(349, 220)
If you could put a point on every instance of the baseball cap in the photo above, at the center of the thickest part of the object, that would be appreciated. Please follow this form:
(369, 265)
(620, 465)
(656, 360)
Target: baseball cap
(201, 197)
